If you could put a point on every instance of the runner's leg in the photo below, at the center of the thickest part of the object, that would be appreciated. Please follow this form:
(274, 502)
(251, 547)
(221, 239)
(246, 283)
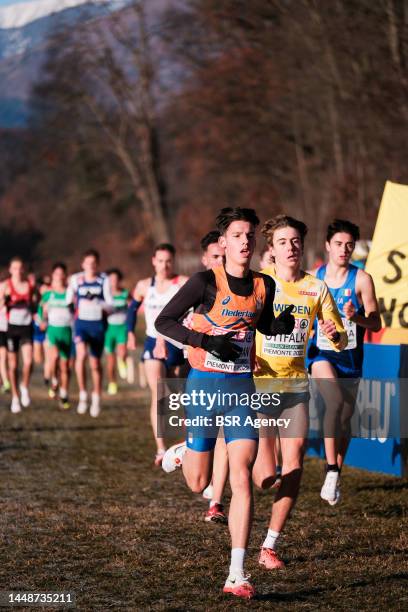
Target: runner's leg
(155, 370)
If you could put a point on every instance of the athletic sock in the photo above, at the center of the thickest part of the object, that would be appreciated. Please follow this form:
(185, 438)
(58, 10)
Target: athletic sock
(237, 560)
(332, 467)
(83, 396)
(213, 502)
(270, 540)
(96, 398)
(54, 381)
(63, 393)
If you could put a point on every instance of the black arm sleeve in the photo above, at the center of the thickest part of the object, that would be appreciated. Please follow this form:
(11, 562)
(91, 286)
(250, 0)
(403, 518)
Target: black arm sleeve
(190, 295)
(267, 315)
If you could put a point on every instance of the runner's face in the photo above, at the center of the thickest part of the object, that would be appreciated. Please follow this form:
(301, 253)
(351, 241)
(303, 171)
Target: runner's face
(59, 277)
(239, 242)
(266, 259)
(16, 269)
(213, 256)
(340, 248)
(287, 247)
(163, 263)
(114, 281)
(90, 264)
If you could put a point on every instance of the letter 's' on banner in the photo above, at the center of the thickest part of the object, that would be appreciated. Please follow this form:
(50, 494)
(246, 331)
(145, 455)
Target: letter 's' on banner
(388, 260)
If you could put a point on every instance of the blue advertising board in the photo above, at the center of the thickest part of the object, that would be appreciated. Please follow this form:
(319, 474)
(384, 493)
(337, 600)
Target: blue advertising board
(378, 446)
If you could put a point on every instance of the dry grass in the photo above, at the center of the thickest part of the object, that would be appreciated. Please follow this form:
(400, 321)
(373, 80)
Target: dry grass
(84, 510)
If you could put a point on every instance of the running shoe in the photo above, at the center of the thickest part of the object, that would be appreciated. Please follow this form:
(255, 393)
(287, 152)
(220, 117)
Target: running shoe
(216, 514)
(15, 405)
(270, 560)
(6, 387)
(158, 458)
(173, 457)
(330, 485)
(64, 403)
(208, 492)
(238, 584)
(336, 500)
(82, 406)
(25, 397)
(112, 388)
(95, 408)
(52, 393)
(122, 369)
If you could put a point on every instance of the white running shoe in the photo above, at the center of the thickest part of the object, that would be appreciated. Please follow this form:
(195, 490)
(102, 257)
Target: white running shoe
(95, 408)
(336, 500)
(173, 457)
(238, 584)
(208, 492)
(25, 397)
(82, 406)
(330, 485)
(15, 407)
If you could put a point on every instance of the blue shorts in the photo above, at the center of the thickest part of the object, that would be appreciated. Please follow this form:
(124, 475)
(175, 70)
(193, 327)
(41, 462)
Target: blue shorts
(203, 437)
(38, 334)
(175, 356)
(342, 371)
(91, 333)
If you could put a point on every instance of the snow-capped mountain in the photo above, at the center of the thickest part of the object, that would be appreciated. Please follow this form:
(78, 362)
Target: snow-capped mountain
(24, 28)
(20, 14)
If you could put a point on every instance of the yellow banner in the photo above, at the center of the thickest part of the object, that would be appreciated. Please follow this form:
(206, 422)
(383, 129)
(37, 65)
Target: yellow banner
(388, 258)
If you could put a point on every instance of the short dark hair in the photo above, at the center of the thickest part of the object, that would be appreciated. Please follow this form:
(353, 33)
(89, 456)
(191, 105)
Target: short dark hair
(16, 258)
(210, 238)
(58, 265)
(228, 215)
(116, 271)
(164, 246)
(91, 253)
(280, 221)
(342, 225)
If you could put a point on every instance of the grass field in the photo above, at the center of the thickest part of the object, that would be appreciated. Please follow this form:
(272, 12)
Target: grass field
(83, 510)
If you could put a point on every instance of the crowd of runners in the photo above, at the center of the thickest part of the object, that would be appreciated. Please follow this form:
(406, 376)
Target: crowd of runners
(226, 327)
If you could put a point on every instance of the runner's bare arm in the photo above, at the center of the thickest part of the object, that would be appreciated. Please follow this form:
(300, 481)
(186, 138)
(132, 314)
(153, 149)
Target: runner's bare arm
(366, 291)
(3, 295)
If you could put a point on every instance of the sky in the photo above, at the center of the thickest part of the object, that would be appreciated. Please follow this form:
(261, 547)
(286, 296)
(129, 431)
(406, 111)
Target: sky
(9, 2)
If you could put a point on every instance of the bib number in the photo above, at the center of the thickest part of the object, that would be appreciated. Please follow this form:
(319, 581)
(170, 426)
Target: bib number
(289, 345)
(244, 340)
(20, 316)
(351, 330)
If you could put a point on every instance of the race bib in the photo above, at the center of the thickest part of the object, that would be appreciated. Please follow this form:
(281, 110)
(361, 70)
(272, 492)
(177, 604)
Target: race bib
(351, 330)
(244, 340)
(90, 310)
(117, 318)
(288, 345)
(20, 316)
(60, 317)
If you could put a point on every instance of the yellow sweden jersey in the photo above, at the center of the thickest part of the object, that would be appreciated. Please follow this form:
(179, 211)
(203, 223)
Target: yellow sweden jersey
(283, 356)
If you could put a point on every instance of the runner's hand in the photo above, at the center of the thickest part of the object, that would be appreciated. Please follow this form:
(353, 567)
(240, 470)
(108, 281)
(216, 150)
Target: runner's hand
(329, 329)
(131, 341)
(349, 310)
(160, 350)
(221, 346)
(284, 323)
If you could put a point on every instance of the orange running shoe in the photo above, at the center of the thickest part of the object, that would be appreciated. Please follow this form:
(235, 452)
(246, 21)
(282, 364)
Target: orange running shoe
(270, 560)
(238, 584)
(216, 514)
